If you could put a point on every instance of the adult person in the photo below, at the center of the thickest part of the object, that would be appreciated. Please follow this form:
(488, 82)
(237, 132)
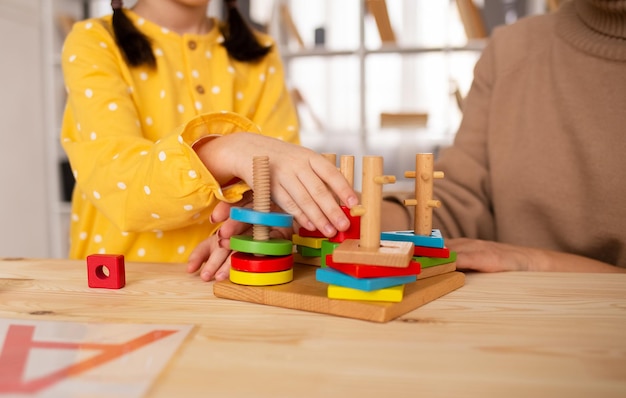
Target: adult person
(534, 179)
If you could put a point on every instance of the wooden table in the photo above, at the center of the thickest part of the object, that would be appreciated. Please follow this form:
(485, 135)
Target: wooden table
(500, 335)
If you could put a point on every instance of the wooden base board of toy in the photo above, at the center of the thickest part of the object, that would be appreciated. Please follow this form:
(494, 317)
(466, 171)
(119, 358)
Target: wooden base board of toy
(307, 294)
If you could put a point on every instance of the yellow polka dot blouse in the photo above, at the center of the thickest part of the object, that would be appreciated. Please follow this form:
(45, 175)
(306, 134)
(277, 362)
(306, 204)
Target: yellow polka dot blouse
(141, 190)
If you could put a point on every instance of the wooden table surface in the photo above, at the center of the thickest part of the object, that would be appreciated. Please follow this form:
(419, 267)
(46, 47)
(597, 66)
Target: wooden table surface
(500, 335)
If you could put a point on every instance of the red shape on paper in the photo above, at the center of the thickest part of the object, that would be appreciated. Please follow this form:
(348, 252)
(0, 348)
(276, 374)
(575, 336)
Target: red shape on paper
(19, 341)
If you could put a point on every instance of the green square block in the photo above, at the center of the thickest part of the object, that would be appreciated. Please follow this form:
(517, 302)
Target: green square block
(426, 262)
(328, 247)
(306, 251)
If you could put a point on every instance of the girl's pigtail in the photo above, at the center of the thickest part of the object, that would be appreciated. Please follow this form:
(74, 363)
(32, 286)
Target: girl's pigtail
(135, 45)
(239, 39)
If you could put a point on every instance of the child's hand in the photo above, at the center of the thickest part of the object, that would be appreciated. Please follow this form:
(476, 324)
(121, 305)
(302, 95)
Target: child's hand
(216, 259)
(303, 183)
(214, 252)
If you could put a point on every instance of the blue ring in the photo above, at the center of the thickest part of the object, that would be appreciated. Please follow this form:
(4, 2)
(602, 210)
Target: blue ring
(251, 216)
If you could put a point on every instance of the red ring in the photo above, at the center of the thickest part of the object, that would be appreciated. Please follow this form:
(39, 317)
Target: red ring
(252, 263)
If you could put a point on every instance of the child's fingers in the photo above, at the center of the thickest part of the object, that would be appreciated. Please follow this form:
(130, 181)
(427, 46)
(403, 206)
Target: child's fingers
(336, 181)
(231, 227)
(281, 233)
(199, 254)
(295, 202)
(316, 180)
(217, 260)
(223, 272)
(327, 202)
(311, 203)
(221, 212)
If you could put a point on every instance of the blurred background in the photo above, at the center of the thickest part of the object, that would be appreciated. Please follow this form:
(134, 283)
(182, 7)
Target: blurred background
(369, 77)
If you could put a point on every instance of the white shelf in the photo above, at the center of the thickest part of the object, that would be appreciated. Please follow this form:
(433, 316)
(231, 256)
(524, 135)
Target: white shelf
(475, 45)
(365, 71)
(59, 210)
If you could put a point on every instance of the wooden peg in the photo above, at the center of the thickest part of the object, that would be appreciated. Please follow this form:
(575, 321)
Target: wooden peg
(423, 202)
(331, 157)
(369, 249)
(261, 194)
(358, 210)
(346, 166)
(373, 180)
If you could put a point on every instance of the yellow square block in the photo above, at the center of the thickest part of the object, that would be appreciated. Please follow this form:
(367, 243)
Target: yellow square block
(315, 243)
(390, 294)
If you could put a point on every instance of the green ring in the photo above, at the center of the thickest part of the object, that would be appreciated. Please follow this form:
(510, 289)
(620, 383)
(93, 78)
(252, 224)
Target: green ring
(272, 247)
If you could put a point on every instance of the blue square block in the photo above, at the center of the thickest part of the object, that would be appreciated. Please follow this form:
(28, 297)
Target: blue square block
(434, 240)
(333, 277)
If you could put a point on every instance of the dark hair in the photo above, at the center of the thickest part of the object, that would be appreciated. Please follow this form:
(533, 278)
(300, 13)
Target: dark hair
(239, 38)
(135, 45)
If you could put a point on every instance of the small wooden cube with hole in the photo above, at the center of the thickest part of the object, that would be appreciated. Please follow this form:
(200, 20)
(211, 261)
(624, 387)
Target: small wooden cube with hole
(106, 271)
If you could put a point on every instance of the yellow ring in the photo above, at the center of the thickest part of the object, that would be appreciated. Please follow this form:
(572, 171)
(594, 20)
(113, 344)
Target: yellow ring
(261, 278)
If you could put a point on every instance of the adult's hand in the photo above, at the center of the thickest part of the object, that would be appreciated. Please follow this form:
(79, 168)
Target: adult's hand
(488, 256)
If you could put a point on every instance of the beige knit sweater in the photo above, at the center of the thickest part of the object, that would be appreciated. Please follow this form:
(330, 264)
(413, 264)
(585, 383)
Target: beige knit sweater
(540, 157)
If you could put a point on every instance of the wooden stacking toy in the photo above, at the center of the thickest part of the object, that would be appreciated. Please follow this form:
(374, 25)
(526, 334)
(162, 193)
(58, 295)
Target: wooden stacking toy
(259, 260)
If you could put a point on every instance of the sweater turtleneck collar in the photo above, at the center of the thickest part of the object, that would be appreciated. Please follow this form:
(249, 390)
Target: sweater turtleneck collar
(607, 17)
(595, 26)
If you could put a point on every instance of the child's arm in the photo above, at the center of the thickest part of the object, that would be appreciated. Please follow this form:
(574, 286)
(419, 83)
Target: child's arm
(303, 183)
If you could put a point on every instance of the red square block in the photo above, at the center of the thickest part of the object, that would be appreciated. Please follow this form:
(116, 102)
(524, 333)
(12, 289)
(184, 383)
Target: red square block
(305, 233)
(421, 251)
(106, 271)
(373, 271)
(353, 232)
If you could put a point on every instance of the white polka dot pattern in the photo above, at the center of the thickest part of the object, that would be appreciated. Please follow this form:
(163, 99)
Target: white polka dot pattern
(137, 115)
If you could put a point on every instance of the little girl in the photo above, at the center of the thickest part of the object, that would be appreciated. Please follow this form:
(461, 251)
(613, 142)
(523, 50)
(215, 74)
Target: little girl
(166, 108)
